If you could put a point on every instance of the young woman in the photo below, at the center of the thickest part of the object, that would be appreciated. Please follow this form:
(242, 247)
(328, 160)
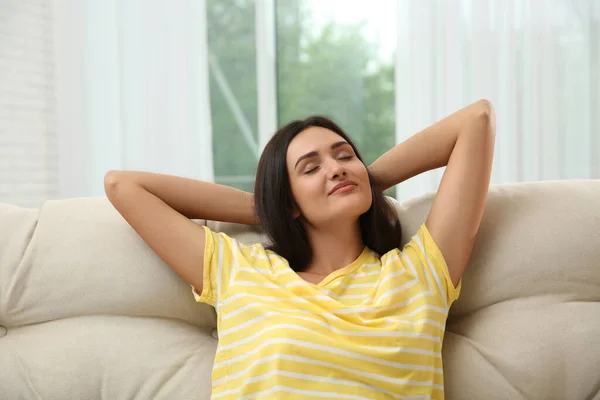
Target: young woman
(332, 308)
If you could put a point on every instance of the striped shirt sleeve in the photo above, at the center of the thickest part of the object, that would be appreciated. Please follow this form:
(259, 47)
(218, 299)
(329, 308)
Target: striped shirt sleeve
(218, 252)
(429, 265)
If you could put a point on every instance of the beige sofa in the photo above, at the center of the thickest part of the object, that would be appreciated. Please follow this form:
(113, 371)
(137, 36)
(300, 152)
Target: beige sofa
(89, 312)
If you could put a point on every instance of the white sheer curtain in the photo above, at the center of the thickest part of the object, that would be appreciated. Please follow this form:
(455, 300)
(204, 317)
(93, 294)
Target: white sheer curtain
(132, 90)
(536, 60)
(28, 132)
(89, 86)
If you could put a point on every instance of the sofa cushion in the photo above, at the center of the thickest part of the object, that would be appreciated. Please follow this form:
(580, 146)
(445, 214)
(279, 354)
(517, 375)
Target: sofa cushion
(106, 357)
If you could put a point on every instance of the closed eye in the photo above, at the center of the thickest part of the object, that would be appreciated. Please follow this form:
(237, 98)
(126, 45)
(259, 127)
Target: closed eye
(310, 171)
(313, 170)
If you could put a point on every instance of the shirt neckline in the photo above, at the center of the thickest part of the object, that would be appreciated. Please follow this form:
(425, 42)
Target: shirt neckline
(354, 265)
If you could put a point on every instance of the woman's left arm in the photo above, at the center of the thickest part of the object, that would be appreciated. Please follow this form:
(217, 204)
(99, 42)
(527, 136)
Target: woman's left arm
(464, 143)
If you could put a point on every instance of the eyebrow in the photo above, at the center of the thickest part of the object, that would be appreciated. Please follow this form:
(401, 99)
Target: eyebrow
(314, 153)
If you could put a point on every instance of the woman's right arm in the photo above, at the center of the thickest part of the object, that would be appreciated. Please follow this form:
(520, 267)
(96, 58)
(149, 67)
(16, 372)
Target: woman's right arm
(159, 208)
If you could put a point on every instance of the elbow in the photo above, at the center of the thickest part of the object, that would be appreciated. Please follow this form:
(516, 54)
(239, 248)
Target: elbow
(484, 108)
(486, 113)
(111, 181)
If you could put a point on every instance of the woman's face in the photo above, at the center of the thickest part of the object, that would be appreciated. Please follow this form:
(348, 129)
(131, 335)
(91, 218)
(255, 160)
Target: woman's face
(318, 160)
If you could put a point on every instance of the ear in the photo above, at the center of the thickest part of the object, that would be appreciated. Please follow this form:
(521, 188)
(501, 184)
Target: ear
(296, 213)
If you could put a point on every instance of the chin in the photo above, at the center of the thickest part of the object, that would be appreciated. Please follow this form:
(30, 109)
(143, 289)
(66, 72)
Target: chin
(354, 205)
(339, 214)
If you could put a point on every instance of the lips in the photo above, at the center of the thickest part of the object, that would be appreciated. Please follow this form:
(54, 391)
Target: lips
(342, 185)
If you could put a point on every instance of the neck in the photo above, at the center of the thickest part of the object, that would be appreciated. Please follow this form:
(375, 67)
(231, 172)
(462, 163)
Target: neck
(334, 247)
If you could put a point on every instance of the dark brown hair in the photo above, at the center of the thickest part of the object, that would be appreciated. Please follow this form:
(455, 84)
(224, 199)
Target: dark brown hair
(274, 203)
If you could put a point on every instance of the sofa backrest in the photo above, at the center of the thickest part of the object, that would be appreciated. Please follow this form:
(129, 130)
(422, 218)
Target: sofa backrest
(80, 257)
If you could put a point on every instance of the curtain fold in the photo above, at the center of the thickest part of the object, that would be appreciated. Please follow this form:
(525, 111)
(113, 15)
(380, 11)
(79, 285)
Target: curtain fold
(536, 60)
(137, 73)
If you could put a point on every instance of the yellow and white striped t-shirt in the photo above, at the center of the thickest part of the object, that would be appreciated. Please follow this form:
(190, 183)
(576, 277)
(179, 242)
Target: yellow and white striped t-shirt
(371, 330)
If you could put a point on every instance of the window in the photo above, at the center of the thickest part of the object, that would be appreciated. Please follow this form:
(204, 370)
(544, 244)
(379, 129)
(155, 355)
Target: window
(331, 60)
(233, 91)
(336, 58)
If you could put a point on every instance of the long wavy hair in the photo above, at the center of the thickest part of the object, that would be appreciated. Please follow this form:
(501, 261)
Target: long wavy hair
(274, 203)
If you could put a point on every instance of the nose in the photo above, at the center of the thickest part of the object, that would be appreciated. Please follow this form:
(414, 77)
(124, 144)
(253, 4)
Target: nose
(335, 169)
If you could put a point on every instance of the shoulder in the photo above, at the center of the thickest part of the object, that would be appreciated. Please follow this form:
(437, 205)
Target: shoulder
(423, 247)
(422, 258)
(224, 239)
(249, 254)
(422, 242)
